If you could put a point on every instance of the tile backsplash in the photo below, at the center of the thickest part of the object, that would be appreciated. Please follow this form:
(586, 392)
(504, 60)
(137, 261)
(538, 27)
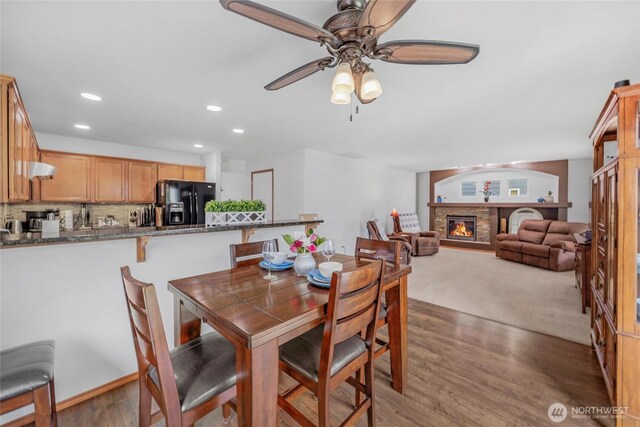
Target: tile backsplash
(96, 210)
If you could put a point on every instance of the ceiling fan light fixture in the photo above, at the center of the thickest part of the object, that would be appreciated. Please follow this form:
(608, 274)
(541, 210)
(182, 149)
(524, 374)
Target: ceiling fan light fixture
(371, 87)
(340, 98)
(343, 81)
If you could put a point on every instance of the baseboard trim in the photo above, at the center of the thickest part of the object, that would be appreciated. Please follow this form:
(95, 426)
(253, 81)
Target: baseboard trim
(78, 398)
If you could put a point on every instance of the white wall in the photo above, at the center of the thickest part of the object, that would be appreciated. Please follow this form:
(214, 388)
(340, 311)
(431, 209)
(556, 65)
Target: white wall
(579, 190)
(422, 198)
(539, 184)
(47, 141)
(213, 163)
(235, 186)
(346, 193)
(289, 181)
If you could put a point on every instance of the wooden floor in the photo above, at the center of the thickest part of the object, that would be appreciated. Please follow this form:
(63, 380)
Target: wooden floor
(463, 370)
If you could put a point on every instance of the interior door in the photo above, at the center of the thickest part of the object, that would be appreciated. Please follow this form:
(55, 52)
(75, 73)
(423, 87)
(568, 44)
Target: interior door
(262, 189)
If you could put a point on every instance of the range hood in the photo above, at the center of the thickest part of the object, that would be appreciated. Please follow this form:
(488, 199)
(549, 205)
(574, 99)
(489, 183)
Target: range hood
(41, 170)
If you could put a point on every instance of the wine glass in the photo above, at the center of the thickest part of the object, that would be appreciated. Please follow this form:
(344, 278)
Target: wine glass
(269, 253)
(328, 249)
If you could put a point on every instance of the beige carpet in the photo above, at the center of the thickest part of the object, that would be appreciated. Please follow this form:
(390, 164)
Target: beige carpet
(478, 283)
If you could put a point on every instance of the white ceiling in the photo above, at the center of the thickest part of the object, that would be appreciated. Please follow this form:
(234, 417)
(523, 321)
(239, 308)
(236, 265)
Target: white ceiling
(533, 93)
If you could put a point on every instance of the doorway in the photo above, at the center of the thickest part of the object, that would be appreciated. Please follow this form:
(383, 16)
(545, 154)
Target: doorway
(262, 189)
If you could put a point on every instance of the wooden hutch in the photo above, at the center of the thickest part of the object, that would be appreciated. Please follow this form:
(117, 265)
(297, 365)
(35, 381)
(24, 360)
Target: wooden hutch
(615, 282)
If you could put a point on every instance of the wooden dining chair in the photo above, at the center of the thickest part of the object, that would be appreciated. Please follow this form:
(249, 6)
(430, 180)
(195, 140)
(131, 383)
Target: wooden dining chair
(187, 382)
(251, 253)
(324, 357)
(389, 252)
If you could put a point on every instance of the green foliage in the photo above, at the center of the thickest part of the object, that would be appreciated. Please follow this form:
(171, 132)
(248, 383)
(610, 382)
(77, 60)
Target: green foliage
(235, 206)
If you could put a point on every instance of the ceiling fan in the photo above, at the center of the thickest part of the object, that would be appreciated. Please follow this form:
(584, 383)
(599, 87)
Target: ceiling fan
(350, 36)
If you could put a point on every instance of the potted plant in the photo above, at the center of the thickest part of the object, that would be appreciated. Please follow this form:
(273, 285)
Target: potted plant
(229, 212)
(549, 198)
(304, 244)
(486, 191)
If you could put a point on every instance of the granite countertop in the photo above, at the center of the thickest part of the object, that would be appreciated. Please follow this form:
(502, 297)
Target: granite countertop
(77, 236)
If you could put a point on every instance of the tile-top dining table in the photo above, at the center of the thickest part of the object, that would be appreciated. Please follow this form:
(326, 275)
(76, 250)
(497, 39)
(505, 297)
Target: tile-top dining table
(258, 316)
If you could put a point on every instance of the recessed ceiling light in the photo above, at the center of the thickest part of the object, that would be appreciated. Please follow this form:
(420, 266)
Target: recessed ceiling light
(198, 145)
(81, 126)
(213, 108)
(238, 130)
(90, 96)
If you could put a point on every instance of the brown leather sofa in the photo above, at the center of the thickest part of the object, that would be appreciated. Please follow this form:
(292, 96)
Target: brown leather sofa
(542, 243)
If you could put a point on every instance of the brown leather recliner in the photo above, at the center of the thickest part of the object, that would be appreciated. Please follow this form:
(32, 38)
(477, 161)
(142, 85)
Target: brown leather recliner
(422, 242)
(542, 243)
(376, 234)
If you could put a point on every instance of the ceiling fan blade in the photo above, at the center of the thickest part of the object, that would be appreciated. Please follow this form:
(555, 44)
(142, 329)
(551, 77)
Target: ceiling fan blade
(383, 14)
(279, 20)
(357, 80)
(300, 73)
(426, 52)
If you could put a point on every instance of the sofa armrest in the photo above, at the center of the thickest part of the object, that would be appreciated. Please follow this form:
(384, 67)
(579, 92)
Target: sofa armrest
(564, 244)
(434, 234)
(505, 236)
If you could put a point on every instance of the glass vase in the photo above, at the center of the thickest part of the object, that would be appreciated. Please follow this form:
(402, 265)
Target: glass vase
(304, 263)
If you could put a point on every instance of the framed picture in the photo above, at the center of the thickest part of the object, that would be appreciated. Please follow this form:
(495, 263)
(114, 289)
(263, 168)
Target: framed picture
(514, 192)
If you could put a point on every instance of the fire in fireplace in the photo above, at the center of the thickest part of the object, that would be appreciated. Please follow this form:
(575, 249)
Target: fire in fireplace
(461, 227)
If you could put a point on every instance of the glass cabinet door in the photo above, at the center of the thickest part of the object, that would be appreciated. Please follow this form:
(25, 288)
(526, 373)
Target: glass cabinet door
(610, 239)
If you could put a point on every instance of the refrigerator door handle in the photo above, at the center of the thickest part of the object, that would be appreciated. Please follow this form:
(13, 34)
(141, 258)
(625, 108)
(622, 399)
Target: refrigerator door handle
(191, 208)
(197, 207)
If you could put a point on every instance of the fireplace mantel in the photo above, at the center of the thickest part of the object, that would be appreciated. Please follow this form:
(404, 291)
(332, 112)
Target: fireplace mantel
(501, 205)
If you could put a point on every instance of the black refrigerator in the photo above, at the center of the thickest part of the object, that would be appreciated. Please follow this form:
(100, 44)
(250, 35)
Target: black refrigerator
(184, 197)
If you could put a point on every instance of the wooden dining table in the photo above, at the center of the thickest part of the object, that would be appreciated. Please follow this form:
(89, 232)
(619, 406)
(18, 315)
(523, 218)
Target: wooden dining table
(257, 316)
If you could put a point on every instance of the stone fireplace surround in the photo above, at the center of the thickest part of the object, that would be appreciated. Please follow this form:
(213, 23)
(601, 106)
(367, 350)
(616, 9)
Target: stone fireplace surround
(483, 224)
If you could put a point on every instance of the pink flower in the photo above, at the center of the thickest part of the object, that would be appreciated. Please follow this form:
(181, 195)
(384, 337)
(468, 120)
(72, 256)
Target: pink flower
(312, 248)
(298, 243)
(293, 248)
(313, 237)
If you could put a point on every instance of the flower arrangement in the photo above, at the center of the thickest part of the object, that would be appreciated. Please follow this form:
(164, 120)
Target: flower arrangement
(235, 206)
(486, 191)
(302, 242)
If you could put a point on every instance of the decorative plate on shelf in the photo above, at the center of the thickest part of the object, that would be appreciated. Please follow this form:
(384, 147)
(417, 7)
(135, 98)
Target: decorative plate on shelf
(276, 267)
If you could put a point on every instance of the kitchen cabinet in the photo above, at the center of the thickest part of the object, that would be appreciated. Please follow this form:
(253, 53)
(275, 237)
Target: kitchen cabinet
(34, 156)
(18, 146)
(193, 173)
(110, 180)
(72, 181)
(166, 171)
(142, 181)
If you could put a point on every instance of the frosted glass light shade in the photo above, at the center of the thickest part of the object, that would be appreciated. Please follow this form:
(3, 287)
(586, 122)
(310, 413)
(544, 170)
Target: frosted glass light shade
(371, 88)
(340, 98)
(343, 80)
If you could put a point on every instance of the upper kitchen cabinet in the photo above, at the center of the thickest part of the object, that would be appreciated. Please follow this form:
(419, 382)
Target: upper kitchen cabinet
(17, 144)
(166, 171)
(142, 181)
(194, 173)
(110, 180)
(72, 182)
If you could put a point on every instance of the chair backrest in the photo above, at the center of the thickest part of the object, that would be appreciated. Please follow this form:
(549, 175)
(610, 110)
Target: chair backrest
(149, 339)
(354, 302)
(406, 223)
(386, 250)
(376, 231)
(251, 253)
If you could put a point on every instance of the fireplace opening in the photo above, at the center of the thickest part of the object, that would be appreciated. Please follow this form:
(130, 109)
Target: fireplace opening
(461, 227)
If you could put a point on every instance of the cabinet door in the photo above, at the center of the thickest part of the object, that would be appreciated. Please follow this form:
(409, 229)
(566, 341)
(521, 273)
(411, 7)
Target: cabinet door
(110, 180)
(72, 181)
(611, 243)
(194, 173)
(17, 136)
(170, 172)
(34, 156)
(142, 182)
